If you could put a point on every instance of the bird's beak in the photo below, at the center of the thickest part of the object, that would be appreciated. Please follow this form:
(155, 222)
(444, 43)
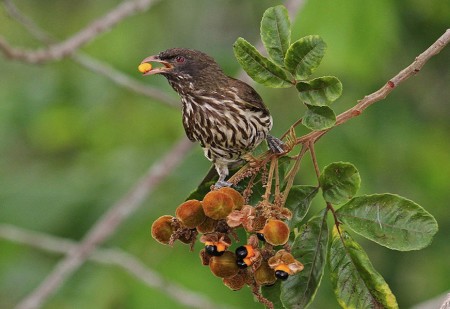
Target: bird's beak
(157, 70)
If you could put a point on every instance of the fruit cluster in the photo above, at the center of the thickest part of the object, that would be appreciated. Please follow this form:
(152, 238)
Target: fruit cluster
(216, 217)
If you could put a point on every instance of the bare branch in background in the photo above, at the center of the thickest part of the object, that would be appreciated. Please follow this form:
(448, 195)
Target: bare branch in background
(446, 303)
(91, 63)
(115, 257)
(107, 224)
(67, 47)
(124, 80)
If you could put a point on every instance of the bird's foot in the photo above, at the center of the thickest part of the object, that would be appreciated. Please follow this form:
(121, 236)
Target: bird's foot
(276, 145)
(222, 183)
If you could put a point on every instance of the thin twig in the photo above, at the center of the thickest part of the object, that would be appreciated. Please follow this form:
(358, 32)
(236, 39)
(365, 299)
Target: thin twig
(291, 127)
(314, 160)
(333, 211)
(91, 63)
(107, 225)
(380, 94)
(289, 179)
(67, 47)
(115, 257)
(270, 178)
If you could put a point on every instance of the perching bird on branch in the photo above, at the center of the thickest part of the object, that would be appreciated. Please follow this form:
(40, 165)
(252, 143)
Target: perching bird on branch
(225, 115)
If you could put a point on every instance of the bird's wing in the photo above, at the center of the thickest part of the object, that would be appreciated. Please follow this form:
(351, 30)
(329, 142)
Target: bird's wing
(248, 95)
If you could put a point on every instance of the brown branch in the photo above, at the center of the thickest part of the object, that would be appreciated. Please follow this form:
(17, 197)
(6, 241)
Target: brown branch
(67, 47)
(380, 94)
(289, 179)
(107, 225)
(314, 160)
(308, 140)
(91, 63)
(273, 163)
(114, 257)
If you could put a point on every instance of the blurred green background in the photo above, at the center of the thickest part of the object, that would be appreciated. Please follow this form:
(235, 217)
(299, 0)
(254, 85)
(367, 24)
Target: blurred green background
(72, 142)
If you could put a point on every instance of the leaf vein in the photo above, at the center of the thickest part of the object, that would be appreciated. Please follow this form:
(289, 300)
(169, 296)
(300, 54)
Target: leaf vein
(382, 223)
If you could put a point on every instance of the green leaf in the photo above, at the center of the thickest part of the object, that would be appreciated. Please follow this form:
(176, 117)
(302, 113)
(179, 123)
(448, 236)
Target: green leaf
(310, 248)
(340, 181)
(261, 69)
(320, 91)
(318, 117)
(298, 202)
(355, 282)
(390, 220)
(276, 33)
(201, 191)
(304, 56)
(272, 293)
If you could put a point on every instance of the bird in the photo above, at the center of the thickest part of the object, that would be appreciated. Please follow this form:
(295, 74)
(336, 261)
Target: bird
(225, 115)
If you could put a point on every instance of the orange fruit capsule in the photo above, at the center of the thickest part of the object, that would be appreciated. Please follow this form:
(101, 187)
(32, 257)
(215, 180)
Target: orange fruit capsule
(217, 205)
(221, 247)
(283, 267)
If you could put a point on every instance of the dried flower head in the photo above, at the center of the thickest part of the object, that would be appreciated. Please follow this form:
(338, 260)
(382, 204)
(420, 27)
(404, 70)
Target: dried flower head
(243, 217)
(216, 238)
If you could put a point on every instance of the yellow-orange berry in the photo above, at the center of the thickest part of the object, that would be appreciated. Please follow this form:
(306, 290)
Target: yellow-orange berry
(276, 232)
(144, 67)
(217, 205)
(224, 266)
(238, 199)
(190, 214)
(162, 229)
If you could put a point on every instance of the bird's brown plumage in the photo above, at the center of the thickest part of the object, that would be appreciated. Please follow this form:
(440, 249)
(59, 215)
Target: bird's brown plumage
(225, 115)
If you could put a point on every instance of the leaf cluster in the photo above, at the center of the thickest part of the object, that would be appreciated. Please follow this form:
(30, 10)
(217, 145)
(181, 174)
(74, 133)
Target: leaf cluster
(387, 219)
(291, 64)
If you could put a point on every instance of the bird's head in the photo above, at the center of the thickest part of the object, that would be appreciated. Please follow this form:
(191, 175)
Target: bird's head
(183, 63)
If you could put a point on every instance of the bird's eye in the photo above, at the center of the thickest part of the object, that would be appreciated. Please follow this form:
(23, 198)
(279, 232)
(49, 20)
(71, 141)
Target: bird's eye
(180, 59)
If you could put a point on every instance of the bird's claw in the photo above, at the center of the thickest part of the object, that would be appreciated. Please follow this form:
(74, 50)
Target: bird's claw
(276, 145)
(222, 183)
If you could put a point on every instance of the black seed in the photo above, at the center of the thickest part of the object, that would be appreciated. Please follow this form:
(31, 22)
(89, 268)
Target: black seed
(241, 264)
(212, 250)
(241, 252)
(282, 275)
(260, 236)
